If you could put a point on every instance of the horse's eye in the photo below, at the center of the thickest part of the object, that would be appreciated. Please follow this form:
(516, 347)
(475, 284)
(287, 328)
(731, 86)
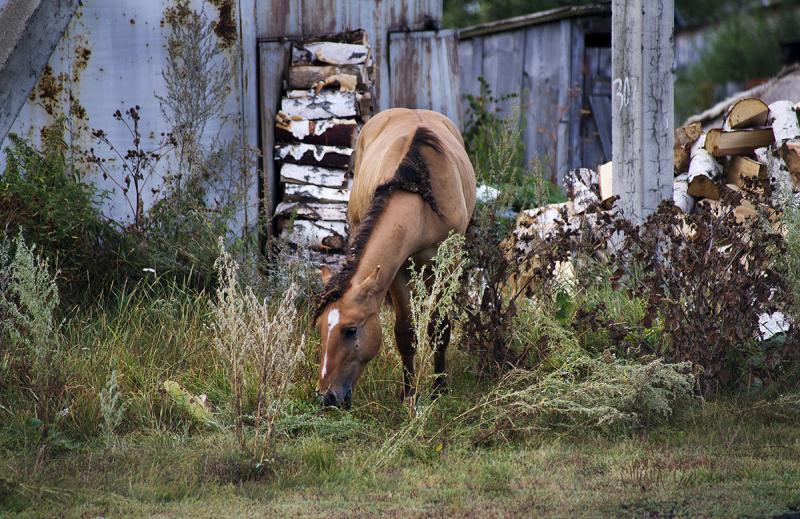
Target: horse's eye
(349, 332)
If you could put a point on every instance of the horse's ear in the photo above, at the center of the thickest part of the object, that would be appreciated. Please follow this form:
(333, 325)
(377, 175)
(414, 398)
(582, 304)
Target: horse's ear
(371, 282)
(325, 272)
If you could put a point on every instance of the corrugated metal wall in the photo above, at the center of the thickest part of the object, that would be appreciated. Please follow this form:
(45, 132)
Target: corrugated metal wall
(111, 58)
(552, 74)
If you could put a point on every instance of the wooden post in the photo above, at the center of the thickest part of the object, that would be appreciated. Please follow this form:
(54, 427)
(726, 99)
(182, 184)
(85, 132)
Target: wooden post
(642, 104)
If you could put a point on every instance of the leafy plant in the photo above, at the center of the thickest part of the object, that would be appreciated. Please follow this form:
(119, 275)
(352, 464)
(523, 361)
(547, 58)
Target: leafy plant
(433, 312)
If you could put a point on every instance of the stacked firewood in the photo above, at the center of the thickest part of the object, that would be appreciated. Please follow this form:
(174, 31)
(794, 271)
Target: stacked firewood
(326, 100)
(758, 147)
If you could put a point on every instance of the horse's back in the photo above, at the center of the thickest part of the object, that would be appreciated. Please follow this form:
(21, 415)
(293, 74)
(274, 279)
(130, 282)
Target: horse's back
(384, 142)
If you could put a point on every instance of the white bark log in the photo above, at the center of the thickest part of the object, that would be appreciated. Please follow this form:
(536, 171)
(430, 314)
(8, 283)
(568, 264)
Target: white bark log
(338, 53)
(703, 171)
(313, 211)
(316, 154)
(785, 126)
(583, 188)
(325, 105)
(296, 192)
(318, 235)
(680, 194)
(319, 176)
(305, 129)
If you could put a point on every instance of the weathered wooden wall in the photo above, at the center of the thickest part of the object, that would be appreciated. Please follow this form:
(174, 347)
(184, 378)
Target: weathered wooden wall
(277, 19)
(557, 68)
(423, 72)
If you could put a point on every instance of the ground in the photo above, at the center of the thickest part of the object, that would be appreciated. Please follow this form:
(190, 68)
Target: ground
(713, 462)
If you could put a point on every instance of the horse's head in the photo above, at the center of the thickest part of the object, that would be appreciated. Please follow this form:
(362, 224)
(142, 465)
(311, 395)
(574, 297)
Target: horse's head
(351, 336)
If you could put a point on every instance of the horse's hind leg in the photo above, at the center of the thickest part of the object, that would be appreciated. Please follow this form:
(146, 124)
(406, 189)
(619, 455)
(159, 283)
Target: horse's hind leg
(441, 340)
(403, 333)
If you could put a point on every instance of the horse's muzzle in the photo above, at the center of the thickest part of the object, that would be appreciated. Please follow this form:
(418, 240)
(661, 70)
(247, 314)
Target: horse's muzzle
(329, 399)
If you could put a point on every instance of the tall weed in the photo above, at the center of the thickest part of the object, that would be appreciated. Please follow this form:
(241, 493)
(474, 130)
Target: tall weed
(261, 346)
(35, 335)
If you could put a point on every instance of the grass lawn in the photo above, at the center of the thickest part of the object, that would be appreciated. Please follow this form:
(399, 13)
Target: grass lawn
(714, 461)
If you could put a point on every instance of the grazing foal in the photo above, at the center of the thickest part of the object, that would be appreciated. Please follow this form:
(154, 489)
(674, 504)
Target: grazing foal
(413, 184)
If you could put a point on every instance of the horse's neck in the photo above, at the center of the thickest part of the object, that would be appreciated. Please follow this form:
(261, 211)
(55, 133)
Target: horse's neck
(399, 233)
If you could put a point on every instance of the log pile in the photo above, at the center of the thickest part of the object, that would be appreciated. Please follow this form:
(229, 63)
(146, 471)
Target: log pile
(756, 149)
(326, 100)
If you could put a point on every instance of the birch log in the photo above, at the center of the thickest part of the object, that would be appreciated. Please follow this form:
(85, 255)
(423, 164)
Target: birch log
(313, 211)
(680, 194)
(306, 76)
(786, 129)
(302, 174)
(325, 105)
(311, 193)
(583, 188)
(314, 155)
(338, 53)
(703, 171)
(318, 235)
(330, 132)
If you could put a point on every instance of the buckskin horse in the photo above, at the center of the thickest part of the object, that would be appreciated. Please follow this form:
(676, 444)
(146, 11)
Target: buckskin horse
(413, 184)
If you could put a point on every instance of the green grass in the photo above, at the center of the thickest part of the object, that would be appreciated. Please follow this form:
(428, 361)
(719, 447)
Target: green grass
(727, 457)
(715, 461)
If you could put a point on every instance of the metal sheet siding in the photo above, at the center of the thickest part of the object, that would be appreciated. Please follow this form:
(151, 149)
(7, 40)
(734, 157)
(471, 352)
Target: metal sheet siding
(110, 58)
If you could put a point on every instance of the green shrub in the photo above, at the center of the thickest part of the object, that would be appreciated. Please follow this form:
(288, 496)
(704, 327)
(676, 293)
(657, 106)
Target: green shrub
(43, 196)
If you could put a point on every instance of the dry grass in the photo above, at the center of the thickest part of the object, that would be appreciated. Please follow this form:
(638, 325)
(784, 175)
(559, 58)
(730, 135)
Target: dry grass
(258, 341)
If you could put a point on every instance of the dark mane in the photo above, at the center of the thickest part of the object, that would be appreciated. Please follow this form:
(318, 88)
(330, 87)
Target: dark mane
(412, 175)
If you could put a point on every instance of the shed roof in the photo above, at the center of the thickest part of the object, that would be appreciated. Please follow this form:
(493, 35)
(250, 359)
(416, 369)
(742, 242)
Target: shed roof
(786, 85)
(526, 20)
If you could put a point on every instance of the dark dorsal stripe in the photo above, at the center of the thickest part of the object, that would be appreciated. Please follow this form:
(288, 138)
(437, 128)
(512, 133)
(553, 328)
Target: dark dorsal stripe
(412, 175)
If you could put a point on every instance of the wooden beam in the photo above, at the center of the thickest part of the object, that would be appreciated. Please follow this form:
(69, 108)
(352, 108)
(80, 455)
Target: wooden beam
(642, 104)
(273, 62)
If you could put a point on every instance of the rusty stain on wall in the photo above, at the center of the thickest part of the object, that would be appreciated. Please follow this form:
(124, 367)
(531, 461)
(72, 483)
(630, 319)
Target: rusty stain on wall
(225, 27)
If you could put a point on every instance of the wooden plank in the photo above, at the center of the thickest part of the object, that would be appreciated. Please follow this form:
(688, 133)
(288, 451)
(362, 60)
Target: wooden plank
(312, 211)
(542, 70)
(424, 71)
(301, 174)
(642, 104)
(601, 113)
(273, 61)
(249, 85)
(330, 132)
(311, 193)
(314, 155)
(575, 93)
(503, 57)
(306, 76)
(470, 55)
(325, 105)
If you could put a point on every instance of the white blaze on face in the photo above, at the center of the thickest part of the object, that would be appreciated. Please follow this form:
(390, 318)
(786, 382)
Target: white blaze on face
(333, 320)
